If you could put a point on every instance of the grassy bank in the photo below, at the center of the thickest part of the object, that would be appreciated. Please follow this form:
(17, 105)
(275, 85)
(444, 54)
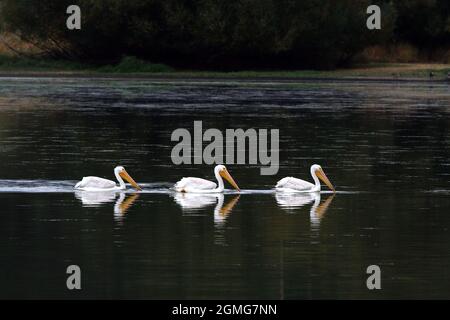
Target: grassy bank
(132, 66)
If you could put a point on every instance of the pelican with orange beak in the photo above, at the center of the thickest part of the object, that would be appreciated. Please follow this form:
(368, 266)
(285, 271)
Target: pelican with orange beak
(100, 184)
(198, 185)
(290, 184)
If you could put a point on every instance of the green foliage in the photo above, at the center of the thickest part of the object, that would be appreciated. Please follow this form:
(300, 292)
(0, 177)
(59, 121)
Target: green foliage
(34, 64)
(134, 65)
(231, 34)
(126, 65)
(425, 23)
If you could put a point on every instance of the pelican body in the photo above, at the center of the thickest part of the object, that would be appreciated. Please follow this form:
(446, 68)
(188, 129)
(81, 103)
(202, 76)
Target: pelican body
(100, 184)
(291, 184)
(198, 185)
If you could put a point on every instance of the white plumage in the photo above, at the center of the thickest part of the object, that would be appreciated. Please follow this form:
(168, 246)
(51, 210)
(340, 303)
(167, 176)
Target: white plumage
(95, 183)
(294, 185)
(291, 184)
(198, 185)
(190, 183)
(101, 184)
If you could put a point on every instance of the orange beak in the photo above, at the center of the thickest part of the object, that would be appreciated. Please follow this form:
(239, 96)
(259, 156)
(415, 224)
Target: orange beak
(322, 176)
(224, 174)
(127, 177)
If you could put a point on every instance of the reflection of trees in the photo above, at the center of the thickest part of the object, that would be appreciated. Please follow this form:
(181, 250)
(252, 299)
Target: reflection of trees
(370, 131)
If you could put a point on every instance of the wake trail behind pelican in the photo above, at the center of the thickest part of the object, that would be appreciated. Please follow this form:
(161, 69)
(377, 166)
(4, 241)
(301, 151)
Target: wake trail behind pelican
(67, 186)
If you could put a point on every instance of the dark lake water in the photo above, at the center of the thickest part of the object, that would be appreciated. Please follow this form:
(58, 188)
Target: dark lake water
(385, 146)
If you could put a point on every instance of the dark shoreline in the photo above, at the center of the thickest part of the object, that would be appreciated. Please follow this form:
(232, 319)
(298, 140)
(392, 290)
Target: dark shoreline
(212, 77)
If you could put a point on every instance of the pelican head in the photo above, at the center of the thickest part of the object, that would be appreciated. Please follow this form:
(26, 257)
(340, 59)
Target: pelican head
(317, 171)
(121, 172)
(222, 171)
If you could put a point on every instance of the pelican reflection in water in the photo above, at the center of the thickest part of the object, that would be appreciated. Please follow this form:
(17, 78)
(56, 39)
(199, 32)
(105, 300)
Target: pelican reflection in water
(97, 199)
(290, 201)
(191, 202)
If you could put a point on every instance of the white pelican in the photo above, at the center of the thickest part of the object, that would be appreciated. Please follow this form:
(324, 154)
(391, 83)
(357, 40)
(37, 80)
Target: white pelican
(290, 184)
(100, 184)
(198, 185)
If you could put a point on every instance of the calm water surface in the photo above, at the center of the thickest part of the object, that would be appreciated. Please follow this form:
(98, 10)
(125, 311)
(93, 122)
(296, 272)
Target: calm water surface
(385, 146)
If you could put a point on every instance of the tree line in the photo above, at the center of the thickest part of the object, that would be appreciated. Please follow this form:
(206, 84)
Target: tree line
(225, 34)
